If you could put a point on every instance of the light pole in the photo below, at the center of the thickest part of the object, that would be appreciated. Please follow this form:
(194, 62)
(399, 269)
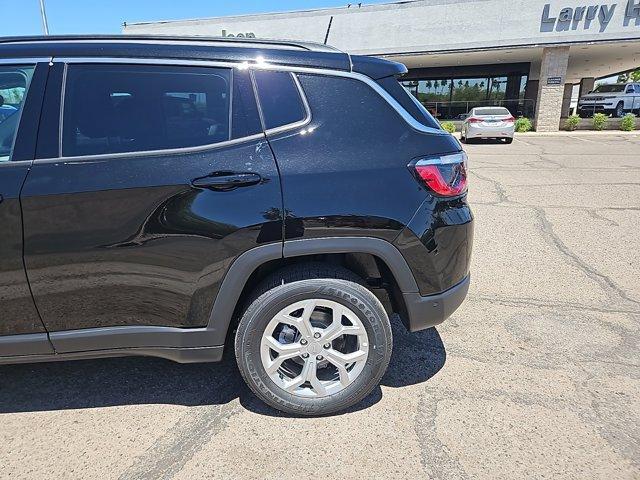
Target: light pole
(43, 14)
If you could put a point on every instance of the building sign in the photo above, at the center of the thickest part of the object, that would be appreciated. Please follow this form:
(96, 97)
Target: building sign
(239, 35)
(554, 81)
(588, 17)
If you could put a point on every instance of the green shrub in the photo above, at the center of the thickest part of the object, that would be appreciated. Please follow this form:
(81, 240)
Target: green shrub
(572, 122)
(599, 121)
(628, 122)
(523, 124)
(448, 126)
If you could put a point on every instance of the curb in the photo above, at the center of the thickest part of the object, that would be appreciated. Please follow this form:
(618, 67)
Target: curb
(565, 133)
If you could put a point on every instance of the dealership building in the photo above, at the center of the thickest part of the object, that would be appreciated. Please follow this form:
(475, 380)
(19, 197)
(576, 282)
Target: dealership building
(526, 55)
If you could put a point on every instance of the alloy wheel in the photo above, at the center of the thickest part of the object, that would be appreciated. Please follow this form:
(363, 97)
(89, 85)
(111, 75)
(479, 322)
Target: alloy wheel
(314, 348)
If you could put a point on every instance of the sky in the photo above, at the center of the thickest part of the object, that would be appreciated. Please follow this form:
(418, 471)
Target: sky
(107, 16)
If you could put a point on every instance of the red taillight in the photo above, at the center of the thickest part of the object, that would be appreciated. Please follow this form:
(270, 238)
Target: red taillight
(445, 176)
(510, 119)
(474, 120)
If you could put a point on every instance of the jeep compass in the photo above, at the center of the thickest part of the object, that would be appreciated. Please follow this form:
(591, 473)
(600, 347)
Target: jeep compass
(178, 197)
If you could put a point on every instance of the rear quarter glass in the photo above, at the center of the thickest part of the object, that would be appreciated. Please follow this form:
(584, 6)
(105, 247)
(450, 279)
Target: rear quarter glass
(280, 99)
(408, 101)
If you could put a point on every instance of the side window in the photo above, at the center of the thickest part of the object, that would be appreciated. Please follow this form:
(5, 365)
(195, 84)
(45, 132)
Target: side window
(280, 99)
(133, 108)
(14, 82)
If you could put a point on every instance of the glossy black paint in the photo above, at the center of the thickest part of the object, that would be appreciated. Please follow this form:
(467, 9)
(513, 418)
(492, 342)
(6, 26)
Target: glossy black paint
(437, 243)
(346, 174)
(167, 48)
(129, 241)
(376, 68)
(17, 311)
(147, 239)
(48, 135)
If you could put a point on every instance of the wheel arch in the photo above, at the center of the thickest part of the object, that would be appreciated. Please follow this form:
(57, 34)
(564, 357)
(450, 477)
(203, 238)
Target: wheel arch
(238, 276)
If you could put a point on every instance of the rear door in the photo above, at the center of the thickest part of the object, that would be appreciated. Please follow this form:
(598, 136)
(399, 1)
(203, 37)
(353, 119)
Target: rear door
(147, 186)
(22, 85)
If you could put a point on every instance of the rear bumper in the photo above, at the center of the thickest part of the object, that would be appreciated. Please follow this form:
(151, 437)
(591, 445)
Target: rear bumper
(596, 107)
(591, 109)
(429, 311)
(490, 132)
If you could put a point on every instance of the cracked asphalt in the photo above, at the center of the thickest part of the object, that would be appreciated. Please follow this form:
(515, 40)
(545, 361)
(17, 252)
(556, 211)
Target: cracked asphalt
(535, 376)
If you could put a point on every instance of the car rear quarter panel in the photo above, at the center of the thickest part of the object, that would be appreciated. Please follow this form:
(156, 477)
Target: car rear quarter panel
(346, 172)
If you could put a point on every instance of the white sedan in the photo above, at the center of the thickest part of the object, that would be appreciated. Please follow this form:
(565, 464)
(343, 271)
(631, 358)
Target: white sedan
(488, 122)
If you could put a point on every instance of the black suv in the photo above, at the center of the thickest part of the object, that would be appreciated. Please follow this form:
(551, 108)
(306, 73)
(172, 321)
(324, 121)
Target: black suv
(174, 197)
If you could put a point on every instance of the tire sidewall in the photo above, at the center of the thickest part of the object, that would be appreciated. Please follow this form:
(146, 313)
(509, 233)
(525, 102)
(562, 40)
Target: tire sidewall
(353, 297)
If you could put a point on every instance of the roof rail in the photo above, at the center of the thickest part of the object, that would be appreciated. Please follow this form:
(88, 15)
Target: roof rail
(239, 41)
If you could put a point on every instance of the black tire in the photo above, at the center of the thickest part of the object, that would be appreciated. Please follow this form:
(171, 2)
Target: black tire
(619, 111)
(463, 139)
(508, 140)
(294, 284)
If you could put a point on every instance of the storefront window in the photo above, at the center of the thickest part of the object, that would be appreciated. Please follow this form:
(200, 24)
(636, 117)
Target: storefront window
(497, 88)
(523, 86)
(453, 97)
(466, 93)
(434, 90)
(469, 90)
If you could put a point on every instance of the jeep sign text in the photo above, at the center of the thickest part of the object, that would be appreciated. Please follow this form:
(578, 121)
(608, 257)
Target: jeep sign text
(240, 35)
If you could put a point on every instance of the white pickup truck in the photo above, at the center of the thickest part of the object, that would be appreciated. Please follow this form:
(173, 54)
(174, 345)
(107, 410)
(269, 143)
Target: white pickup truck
(616, 99)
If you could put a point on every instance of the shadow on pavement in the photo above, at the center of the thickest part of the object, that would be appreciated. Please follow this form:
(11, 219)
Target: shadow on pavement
(486, 141)
(138, 380)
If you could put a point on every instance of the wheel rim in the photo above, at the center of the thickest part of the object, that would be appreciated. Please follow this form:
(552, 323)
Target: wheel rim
(314, 348)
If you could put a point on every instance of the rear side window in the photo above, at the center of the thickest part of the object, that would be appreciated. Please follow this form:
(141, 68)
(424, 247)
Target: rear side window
(280, 99)
(14, 82)
(491, 111)
(133, 108)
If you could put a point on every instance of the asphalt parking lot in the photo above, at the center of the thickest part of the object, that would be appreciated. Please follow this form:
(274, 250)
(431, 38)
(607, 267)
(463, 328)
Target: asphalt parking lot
(536, 376)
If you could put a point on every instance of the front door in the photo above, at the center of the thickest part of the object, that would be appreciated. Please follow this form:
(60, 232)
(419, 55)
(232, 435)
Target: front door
(160, 178)
(21, 330)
